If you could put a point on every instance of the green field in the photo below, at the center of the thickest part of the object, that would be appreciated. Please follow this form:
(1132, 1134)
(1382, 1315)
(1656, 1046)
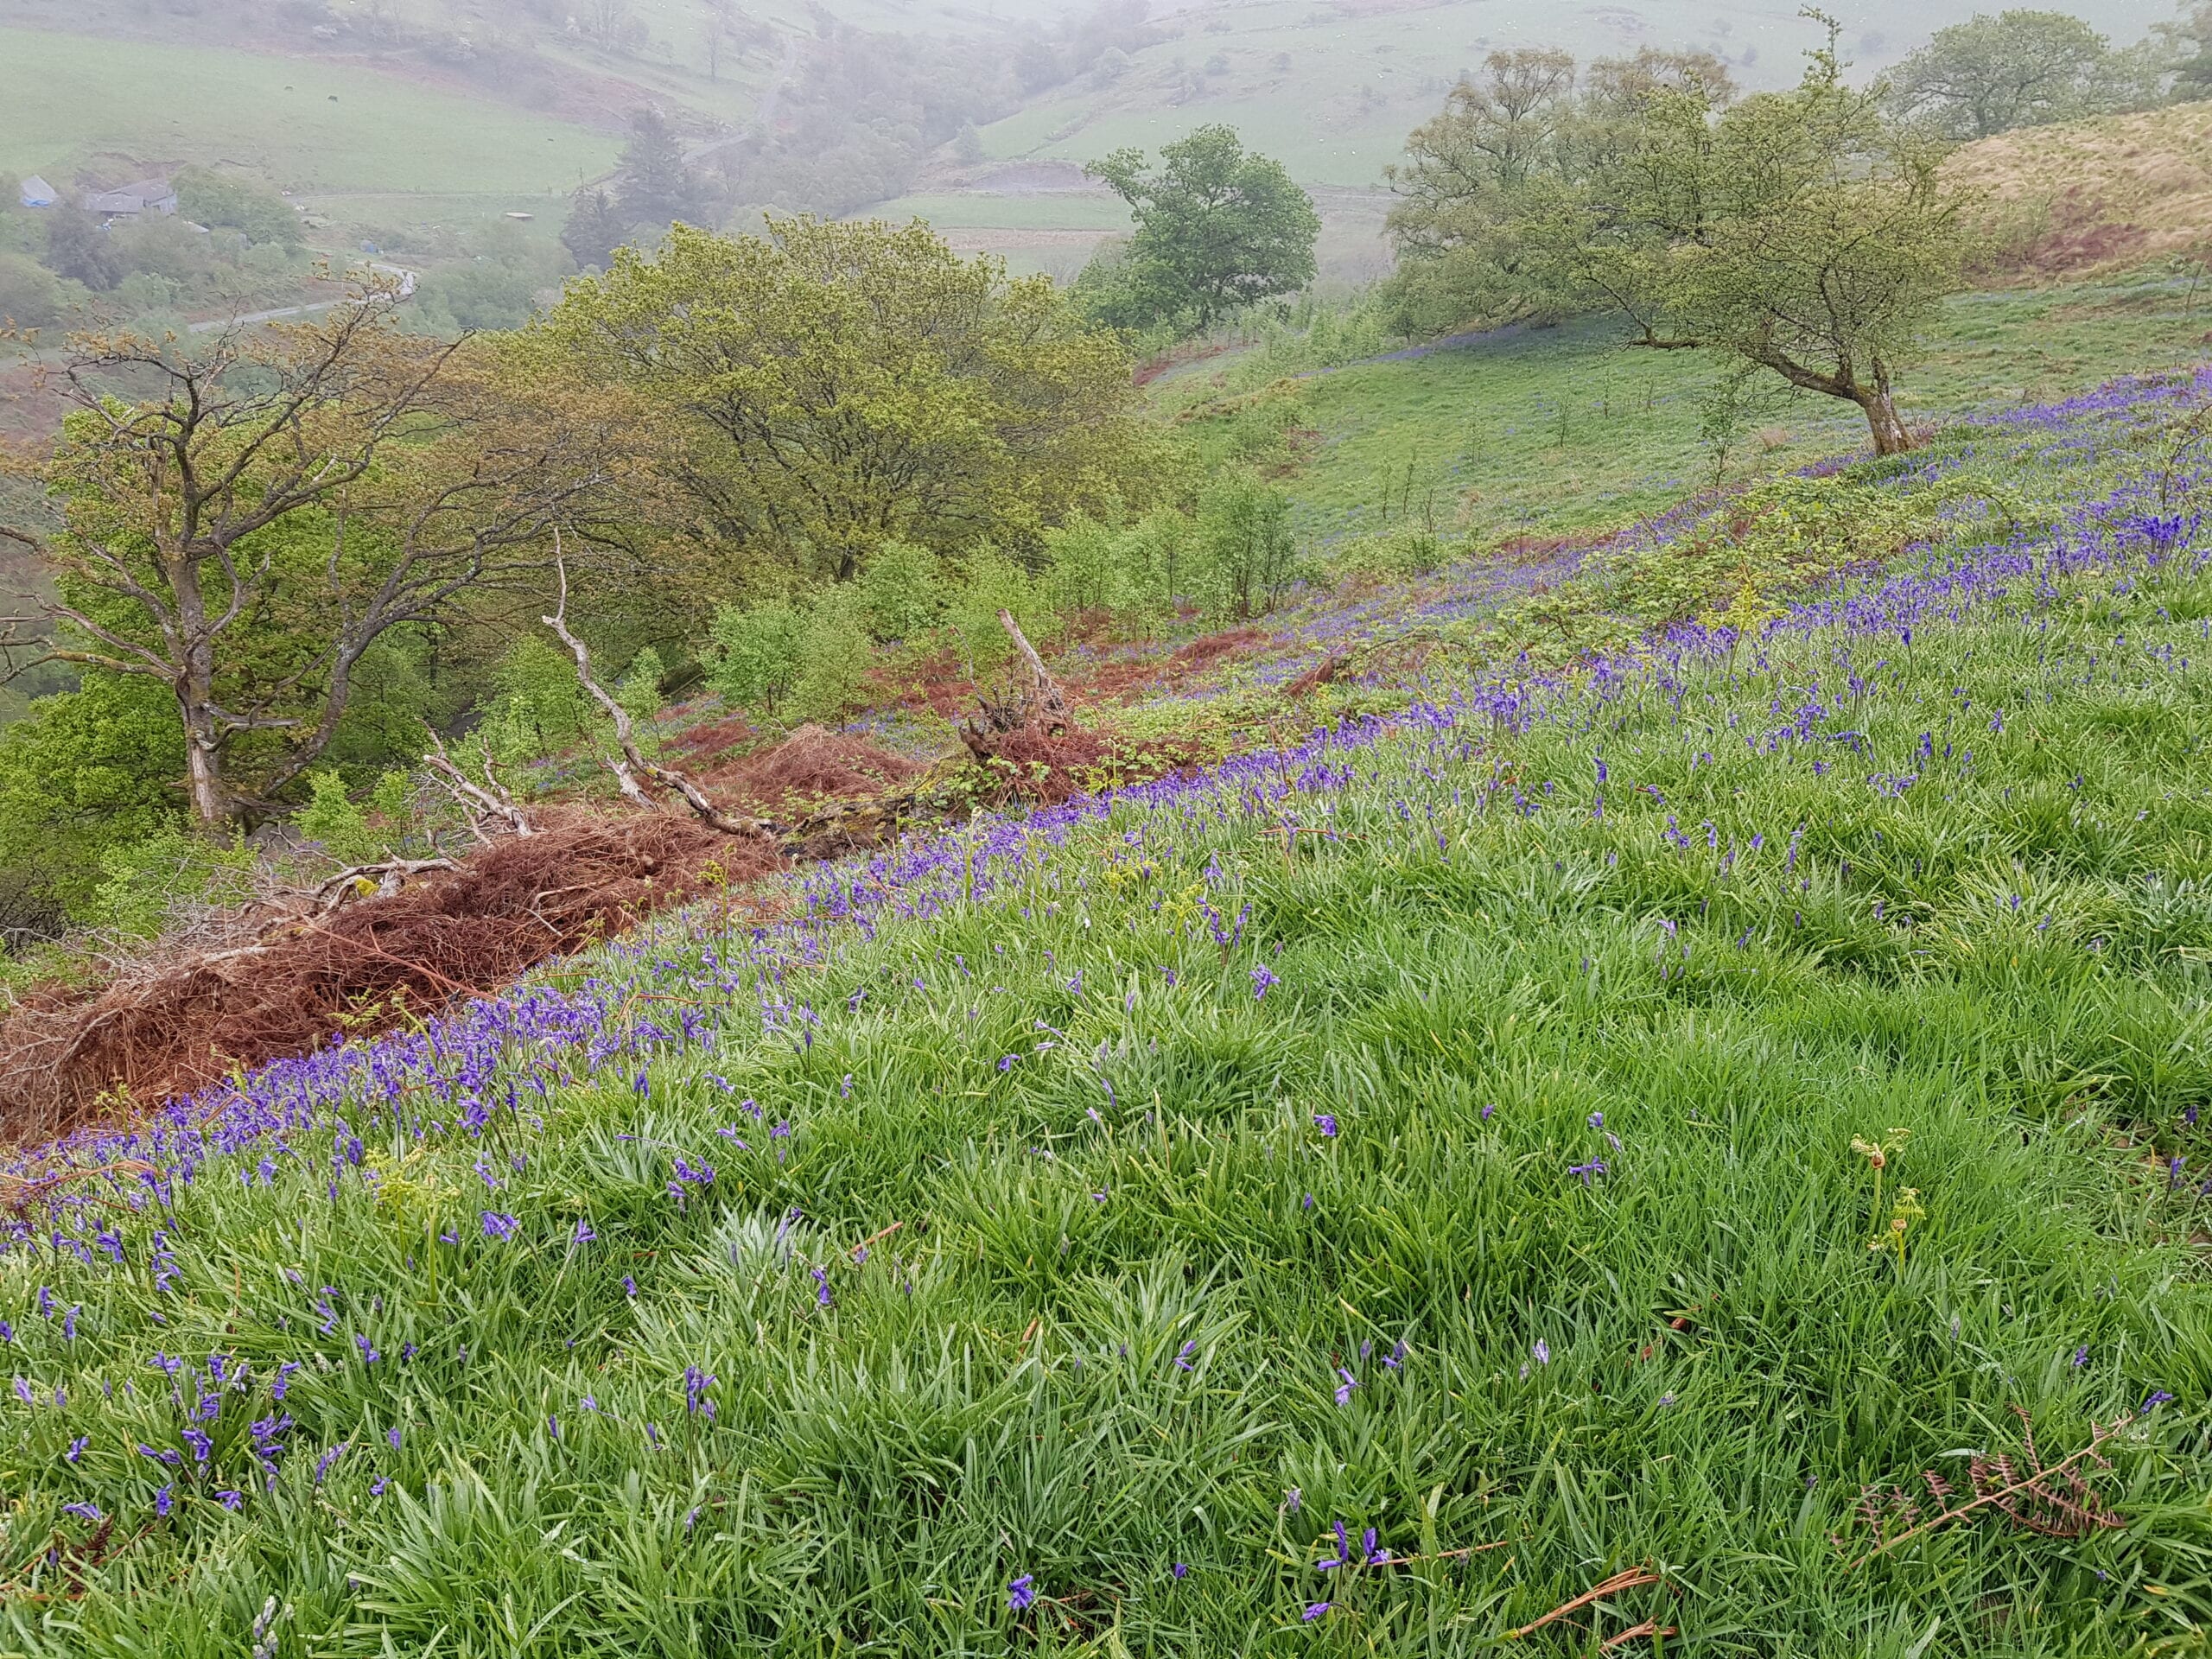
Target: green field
(304, 124)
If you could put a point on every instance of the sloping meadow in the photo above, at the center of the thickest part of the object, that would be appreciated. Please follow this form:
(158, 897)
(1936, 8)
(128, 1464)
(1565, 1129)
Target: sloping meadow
(1355, 1199)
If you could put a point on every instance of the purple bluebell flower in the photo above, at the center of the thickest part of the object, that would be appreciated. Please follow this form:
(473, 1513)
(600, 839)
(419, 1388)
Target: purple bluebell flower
(1183, 1359)
(1263, 979)
(2157, 1397)
(695, 1384)
(76, 1448)
(1315, 1612)
(1180, 1571)
(1542, 1350)
(1326, 1122)
(583, 1234)
(230, 1499)
(1345, 1388)
(498, 1226)
(164, 1500)
(1021, 1594)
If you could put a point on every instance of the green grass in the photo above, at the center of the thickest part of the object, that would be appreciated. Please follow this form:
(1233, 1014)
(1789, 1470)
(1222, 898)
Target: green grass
(1557, 430)
(1118, 1264)
(65, 98)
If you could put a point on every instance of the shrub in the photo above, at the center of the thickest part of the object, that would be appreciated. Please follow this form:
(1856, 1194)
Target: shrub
(833, 656)
(755, 653)
(146, 886)
(902, 591)
(538, 707)
(348, 834)
(1394, 556)
(1246, 553)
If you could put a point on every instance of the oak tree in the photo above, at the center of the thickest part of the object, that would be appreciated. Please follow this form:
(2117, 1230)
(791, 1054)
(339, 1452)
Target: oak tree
(828, 387)
(1218, 227)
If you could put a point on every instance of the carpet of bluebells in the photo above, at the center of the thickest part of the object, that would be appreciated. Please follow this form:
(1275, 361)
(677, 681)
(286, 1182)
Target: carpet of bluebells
(1351, 1200)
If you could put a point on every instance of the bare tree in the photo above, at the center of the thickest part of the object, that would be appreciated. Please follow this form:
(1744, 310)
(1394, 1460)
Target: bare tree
(276, 502)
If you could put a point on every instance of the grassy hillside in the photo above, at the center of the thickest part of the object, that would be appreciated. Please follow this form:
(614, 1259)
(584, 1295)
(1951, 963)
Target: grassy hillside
(1048, 1234)
(306, 125)
(1556, 430)
(2098, 194)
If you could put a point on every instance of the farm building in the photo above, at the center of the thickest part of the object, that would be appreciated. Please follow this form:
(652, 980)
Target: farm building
(129, 200)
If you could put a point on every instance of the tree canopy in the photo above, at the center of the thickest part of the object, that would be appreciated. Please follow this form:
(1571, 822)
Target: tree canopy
(1217, 228)
(2018, 68)
(829, 387)
(1805, 232)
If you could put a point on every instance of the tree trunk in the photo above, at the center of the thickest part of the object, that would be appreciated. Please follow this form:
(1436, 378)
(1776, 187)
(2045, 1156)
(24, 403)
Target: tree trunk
(211, 807)
(1888, 427)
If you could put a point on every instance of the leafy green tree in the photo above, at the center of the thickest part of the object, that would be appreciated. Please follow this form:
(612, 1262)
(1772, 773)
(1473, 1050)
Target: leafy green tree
(833, 656)
(229, 201)
(2187, 44)
(29, 296)
(1247, 555)
(1507, 142)
(77, 248)
(538, 708)
(902, 591)
(756, 653)
(1217, 227)
(2020, 68)
(1806, 231)
(87, 772)
(595, 227)
(830, 387)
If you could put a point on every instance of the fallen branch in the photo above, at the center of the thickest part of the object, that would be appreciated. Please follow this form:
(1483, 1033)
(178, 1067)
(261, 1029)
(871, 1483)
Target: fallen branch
(633, 761)
(1633, 1577)
(384, 880)
(477, 801)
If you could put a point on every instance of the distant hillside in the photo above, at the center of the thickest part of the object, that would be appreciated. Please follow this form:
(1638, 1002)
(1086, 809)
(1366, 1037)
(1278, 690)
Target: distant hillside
(2094, 195)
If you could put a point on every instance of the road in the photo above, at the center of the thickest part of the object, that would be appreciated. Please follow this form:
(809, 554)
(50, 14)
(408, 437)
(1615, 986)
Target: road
(764, 118)
(406, 287)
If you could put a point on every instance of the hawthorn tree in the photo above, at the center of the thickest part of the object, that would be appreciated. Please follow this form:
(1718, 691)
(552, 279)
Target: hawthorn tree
(1217, 228)
(1805, 232)
(830, 387)
(273, 504)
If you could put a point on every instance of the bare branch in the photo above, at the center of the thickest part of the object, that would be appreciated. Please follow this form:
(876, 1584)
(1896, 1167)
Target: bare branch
(632, 762)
